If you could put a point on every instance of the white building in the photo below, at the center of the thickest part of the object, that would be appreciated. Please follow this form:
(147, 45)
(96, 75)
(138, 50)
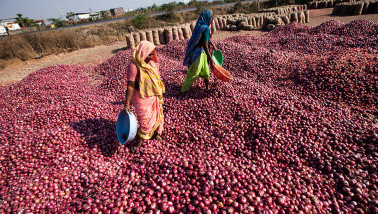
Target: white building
(79, 16)
(10, 25)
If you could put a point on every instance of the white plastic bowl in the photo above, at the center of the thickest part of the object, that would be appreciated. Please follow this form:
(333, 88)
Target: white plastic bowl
(127, 126)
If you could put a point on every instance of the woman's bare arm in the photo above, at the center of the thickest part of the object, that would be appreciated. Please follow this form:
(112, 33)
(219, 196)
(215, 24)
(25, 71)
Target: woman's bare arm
(206, 47)
(129, 94)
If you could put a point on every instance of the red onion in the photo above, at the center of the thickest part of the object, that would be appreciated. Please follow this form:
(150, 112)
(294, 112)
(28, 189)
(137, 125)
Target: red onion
(293, 132)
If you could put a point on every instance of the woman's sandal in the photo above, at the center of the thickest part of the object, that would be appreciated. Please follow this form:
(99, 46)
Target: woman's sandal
(158, 137)
(133, 149)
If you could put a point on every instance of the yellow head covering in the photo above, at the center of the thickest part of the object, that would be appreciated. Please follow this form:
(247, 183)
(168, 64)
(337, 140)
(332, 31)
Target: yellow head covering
(150, 83)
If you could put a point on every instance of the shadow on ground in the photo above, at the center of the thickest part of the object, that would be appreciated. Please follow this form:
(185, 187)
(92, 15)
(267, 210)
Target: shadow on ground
(98, 132)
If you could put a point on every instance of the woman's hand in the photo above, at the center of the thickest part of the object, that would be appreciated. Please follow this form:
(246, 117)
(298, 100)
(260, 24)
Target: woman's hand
(210, 60)
(212, 63)
(129, 94)
(126, 108)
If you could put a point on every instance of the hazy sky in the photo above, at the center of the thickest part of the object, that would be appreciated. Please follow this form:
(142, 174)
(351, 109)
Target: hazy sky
(37, 9)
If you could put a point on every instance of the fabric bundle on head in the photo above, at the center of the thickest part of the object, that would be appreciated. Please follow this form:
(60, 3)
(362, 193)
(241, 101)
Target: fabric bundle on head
(192, 51)
(150, 83)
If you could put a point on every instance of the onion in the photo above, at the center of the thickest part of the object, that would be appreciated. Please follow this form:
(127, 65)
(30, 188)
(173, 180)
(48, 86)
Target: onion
(293, 132)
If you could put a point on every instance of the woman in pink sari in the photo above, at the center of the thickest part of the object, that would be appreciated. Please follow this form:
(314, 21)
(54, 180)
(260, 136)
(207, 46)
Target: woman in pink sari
(145, 91)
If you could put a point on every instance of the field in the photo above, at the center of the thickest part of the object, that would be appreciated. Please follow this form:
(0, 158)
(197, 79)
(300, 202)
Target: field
(295, 131)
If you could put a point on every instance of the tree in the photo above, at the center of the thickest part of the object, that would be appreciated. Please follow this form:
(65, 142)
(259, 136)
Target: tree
(70, 14)
(58, 22)
(140, 21)
(19, 20)
(154, 7)
(194, 3)
(169, 7)
(23, 22)
(181, 4)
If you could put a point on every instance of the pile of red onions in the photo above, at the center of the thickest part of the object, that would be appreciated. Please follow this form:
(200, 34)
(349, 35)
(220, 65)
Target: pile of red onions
(294, 132)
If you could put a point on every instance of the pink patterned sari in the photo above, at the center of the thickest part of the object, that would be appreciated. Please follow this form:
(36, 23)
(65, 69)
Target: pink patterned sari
(148, 101)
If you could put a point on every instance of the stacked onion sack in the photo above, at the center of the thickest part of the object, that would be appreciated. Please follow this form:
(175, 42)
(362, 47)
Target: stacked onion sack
(267, 19)
(324, 3)
(159, 36)
(293, 132)
(356, 8)
(321, 4)
(284, 9)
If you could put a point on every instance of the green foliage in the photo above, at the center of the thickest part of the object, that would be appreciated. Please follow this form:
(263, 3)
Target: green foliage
(23, 21)
(181, 4)
(140, 21)
(141, 10)
(193, 3)
(154, 7)
(169, 7)
(70, 14)
(37, 26)
(197, 4)
(27, 22)
(58, 22)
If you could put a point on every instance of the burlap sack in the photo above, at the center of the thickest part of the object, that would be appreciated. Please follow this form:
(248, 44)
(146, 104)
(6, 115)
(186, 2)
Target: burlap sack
(142, 35)
(185, 32)
(162, 36)
(175, 33)
(168, 35)
(136, 38)
(180, 33)
(130, 41)
(155, 36)
(149, 36)
(358, 8)
(307, 16)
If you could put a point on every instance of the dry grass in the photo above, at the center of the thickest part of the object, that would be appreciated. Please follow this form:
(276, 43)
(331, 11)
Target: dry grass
(189, 16)
(22, 47)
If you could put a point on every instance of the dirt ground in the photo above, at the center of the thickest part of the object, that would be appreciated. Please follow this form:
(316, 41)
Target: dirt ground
(98, 54)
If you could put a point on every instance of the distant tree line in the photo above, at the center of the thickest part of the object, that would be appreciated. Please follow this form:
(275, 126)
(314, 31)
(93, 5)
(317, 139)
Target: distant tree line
(168, 7)
(179, 5)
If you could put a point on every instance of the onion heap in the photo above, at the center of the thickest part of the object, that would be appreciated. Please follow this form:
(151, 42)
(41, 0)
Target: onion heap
(295, 131)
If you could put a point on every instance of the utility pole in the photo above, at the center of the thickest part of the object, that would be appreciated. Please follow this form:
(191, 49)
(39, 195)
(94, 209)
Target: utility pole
(61, 12)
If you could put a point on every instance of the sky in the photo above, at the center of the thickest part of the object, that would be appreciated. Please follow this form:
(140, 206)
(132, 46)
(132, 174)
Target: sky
(45, 9)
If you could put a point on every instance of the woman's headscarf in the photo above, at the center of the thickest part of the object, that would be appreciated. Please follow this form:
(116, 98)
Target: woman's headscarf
(203, 22)
(150, 83)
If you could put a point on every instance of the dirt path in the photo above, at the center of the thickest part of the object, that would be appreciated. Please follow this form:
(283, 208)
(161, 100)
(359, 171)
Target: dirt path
(96, 55)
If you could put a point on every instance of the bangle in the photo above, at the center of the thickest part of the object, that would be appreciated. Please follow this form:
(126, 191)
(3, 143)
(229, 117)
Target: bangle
(127, 103)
